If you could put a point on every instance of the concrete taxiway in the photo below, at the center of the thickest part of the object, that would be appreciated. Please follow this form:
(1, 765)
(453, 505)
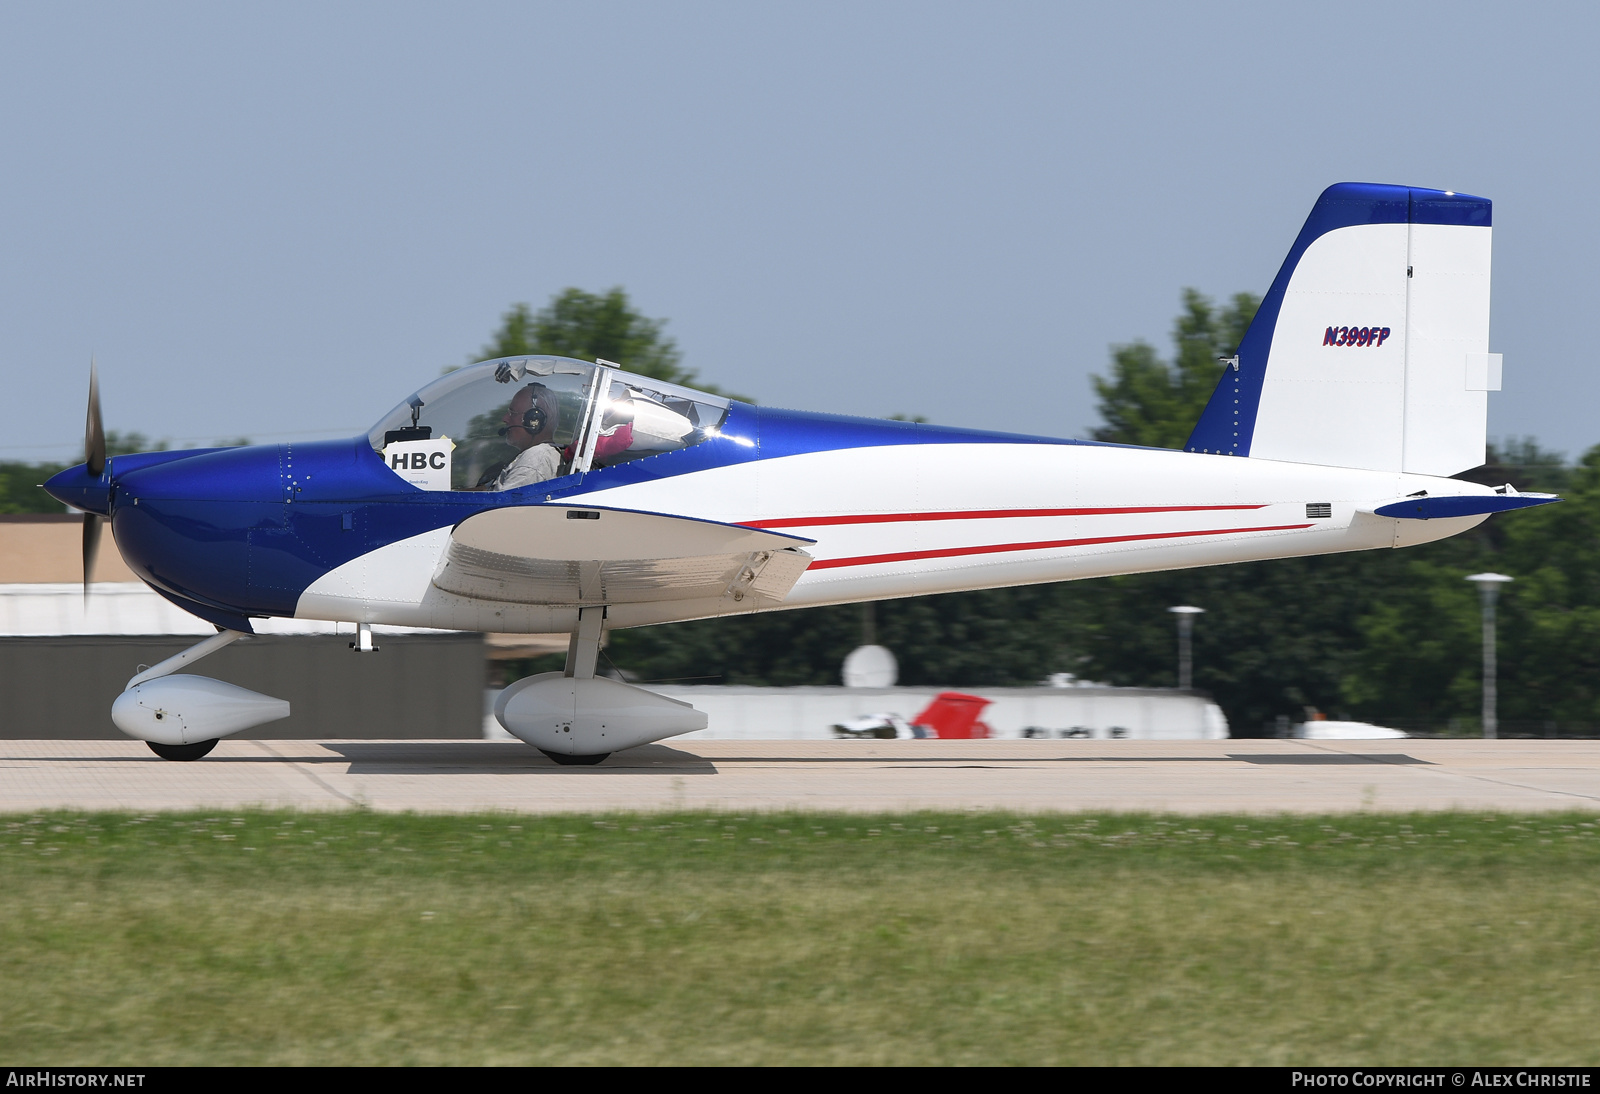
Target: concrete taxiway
(859, 776)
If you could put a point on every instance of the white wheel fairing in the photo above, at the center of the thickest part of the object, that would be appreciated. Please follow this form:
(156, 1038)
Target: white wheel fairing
(183, 709)
(590, 717)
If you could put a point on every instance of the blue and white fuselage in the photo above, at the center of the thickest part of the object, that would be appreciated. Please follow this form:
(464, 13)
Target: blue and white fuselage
(328, 531)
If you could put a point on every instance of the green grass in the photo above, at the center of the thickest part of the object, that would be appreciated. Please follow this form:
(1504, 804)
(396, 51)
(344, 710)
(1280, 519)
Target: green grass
(360, 938)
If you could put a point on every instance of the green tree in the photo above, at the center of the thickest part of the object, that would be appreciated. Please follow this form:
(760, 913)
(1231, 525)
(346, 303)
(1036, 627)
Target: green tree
(19, 487)
(121, 444)
(1550, 634)
(1522, 463)
(590, 326)
(1148, 401)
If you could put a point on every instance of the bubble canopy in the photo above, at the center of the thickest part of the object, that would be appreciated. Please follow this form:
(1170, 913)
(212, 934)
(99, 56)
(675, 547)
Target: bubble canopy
(513, 421)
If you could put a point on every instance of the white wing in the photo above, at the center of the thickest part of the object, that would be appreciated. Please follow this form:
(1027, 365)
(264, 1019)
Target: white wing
(583, 555)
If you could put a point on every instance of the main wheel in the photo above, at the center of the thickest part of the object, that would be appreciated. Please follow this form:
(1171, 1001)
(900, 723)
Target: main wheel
(566, 760)
(182, 752)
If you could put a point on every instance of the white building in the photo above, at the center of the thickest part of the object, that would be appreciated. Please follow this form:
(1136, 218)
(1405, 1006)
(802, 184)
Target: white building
(1094, 713)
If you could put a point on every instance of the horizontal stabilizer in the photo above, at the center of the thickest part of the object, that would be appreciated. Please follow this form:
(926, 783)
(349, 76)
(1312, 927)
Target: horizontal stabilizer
(1470, 505)
(586, 555)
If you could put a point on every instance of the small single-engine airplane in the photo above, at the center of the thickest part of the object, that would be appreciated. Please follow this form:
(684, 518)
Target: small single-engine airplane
(548, 495)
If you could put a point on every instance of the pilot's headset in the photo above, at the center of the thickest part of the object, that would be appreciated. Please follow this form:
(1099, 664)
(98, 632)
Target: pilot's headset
(534, 419)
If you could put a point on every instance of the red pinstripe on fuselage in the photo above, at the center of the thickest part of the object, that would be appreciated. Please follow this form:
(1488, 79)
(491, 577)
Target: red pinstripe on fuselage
(999, 548)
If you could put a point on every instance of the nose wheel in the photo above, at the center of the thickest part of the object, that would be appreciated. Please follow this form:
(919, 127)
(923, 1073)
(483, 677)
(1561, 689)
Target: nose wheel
(185, 752)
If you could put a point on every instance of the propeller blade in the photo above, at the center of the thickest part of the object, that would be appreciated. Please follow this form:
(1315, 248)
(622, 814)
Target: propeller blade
(91, 549)
(94, 437)
(94, 459)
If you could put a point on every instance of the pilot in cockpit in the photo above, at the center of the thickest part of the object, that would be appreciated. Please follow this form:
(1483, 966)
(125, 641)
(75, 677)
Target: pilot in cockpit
(530, 425)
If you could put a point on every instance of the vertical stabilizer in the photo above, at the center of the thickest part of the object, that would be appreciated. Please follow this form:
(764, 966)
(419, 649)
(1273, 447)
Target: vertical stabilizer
(1371, 348)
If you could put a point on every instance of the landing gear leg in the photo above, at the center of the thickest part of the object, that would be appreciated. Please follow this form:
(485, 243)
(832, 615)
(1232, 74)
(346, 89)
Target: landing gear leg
(583, 652)
(204, 648)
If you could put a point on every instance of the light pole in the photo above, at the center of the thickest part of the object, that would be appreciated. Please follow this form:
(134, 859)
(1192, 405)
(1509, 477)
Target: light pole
(1185, 614)
(1488, 592)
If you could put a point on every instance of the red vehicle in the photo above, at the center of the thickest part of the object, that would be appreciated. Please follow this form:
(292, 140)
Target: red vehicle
(952, 716)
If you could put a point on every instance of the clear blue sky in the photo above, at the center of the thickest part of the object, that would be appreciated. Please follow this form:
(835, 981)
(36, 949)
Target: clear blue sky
(278, 219)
